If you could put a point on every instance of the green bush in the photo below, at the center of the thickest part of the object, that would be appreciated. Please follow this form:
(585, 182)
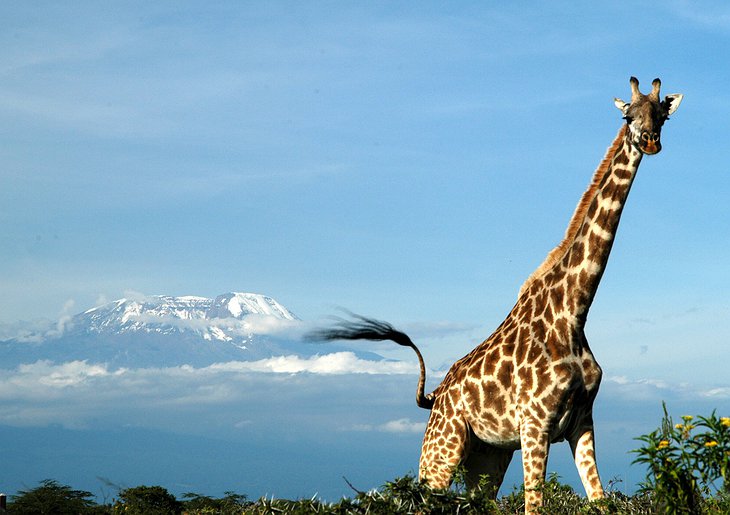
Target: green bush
(231, 504)
(51, 498)
(147, 500)
(688, 464)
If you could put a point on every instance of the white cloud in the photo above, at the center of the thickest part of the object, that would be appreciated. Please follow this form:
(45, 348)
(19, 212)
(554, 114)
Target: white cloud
(643, 389)
(40, 329)
(717, 393)
(27, 332)
(401, 425)
(135, 295)
(336, 363)
(271, 325)
(64, 317)
(43, 380)
(66, 374)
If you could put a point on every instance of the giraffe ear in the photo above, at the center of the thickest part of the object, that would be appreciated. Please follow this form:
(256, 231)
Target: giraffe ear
(671, 102)
(623, 106)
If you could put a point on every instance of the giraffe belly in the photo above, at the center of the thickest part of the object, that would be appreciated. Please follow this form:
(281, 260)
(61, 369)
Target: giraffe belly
(502, 433)
(499, 441)
(506, 435)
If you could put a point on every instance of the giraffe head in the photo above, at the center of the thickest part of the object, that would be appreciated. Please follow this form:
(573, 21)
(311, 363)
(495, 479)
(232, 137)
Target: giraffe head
(646, 114)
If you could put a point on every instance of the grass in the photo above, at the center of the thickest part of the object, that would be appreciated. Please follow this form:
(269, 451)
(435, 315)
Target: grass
(404, 495)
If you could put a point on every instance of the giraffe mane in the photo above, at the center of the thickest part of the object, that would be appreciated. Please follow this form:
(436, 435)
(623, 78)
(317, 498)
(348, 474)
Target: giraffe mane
(578, 217)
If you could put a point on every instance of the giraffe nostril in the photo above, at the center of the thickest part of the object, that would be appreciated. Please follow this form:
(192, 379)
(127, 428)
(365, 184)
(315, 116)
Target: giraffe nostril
(644, 136)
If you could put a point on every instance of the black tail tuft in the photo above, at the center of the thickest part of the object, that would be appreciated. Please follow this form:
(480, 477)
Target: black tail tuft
(360, 328)
(363, 328)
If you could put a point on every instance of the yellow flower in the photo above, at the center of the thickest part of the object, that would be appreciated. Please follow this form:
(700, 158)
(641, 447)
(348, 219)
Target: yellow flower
(663, 444)
(687, 418)
(678, 426)
(725, 421)
(712, 443)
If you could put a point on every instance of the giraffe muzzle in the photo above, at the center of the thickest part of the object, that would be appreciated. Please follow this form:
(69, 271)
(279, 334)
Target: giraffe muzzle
(649, 143)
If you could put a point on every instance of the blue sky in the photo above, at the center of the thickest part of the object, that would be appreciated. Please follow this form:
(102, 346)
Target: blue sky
(412, 162)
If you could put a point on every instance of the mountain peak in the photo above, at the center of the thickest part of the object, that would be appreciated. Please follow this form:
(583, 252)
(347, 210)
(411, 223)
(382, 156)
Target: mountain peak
(239, 305)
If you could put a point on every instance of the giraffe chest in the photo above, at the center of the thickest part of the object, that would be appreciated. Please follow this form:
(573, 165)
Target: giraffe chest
(500, 394)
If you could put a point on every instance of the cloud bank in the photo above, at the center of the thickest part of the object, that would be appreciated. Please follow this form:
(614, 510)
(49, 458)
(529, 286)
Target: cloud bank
(76, 392)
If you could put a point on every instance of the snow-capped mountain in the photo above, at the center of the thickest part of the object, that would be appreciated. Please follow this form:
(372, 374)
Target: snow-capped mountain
(228, 317)
(159, 331)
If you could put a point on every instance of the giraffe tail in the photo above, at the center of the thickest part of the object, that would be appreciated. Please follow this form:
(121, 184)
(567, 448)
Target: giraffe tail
(362, 328)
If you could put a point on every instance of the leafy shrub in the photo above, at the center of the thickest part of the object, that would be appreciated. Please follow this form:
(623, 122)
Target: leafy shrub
(685, 462)
(147, 500)
(231, 504)
(51, 498)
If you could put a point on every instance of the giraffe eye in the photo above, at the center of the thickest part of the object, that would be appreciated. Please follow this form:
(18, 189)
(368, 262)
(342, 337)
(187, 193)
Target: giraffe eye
(628, 119)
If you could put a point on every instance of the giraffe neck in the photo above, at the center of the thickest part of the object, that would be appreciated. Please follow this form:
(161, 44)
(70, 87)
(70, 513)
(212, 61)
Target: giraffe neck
(576, 265)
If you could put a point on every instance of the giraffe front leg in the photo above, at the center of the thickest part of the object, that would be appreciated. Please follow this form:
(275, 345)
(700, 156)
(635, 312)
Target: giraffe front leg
(584, 455)
(535, 442)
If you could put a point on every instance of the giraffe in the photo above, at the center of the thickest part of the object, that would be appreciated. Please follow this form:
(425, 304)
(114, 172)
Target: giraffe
(534, 380)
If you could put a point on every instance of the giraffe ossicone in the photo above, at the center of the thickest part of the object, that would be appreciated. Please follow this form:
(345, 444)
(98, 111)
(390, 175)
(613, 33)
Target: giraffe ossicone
(534, 380)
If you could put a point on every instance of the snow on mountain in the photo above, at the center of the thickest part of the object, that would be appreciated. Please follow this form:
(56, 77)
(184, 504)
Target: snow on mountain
(239, 305)
(148, 314)
(160, 330)
(223, 318)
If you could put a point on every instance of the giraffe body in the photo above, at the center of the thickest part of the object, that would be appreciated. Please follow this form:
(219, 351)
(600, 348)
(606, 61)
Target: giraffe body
(533, 381)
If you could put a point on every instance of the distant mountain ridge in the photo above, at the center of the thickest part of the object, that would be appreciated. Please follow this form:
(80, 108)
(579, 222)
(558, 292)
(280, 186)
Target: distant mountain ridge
(162, 331)
(165, 315)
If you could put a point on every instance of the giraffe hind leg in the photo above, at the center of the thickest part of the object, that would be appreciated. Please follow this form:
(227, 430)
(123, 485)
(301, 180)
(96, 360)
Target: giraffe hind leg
(486, 465)
(443, 449)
